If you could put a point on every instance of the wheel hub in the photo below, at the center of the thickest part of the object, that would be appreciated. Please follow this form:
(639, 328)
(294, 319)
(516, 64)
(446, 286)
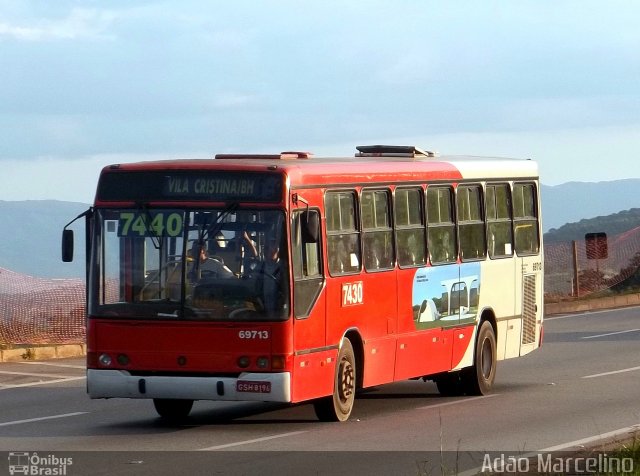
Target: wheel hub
(346, 381)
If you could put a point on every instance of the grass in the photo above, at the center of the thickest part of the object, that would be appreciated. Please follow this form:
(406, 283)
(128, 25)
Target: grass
(629, 450)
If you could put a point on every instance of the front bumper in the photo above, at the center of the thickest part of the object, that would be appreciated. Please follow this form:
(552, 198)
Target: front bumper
(260, 387)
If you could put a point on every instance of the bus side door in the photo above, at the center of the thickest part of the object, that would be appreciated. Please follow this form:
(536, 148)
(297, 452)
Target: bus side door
(312, 375)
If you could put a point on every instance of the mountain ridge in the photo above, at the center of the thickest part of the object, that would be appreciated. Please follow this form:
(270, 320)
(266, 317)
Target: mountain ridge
(573, 201)
(31, 237)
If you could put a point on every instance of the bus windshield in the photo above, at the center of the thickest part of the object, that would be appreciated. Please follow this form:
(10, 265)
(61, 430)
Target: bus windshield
(212, 264)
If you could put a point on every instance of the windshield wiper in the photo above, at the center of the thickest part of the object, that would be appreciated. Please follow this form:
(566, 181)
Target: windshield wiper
(146, 220)
(216, 226)
(211, 229)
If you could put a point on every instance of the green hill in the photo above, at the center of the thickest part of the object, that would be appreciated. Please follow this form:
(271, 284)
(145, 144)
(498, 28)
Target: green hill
(613, 224)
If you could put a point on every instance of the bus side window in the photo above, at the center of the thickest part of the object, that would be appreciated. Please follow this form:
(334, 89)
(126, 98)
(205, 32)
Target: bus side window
(343, 253)
(410, 231)
(376, 229)
(525, 219)
(441, 236)
(307, 265)
(306, 253)
(471, 227)
(343, 238)
(499, 221)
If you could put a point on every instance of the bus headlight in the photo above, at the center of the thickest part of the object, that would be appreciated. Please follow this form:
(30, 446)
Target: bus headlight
(105, 360)
(243, 362)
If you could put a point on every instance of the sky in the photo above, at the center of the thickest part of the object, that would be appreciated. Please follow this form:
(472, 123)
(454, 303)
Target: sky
(84, 84)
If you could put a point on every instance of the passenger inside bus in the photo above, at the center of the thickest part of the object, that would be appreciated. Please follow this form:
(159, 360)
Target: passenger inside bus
(343, 254)
(441, 246)
(375, 253)
(238, 252)
(372, 253)
(407, 250)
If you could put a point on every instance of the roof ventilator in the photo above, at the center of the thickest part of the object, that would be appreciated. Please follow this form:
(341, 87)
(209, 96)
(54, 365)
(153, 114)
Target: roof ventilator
(393, 151)
(282, 156)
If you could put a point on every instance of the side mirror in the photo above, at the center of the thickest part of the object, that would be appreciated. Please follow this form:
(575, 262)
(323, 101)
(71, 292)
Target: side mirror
(67, 237)
(310, 221)
(67, 246)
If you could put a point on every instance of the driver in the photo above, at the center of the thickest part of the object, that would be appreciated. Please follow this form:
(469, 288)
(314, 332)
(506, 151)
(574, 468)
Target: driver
(207, 266)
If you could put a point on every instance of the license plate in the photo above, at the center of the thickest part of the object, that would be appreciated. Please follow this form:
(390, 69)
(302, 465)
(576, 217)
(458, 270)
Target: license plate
(254, 387)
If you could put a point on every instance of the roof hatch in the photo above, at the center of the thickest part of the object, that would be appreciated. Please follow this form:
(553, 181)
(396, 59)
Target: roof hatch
(289, 155)
(392, 151)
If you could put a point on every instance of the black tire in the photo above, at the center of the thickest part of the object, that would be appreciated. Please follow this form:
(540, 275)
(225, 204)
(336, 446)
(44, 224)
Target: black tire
(450, 384)
(172, 409)
(338, 407)
(478, 379)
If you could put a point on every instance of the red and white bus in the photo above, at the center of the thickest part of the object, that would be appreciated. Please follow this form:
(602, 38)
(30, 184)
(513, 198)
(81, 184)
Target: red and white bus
(291, 278)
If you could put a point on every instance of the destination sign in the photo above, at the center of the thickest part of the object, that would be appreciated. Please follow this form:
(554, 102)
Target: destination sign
(206, 185)
(197, 186)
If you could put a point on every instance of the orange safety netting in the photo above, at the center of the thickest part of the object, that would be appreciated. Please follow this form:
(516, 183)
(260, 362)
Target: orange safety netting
(570, 273)
(39, 310)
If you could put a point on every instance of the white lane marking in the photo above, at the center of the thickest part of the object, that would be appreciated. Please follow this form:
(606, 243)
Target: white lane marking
(630, 369)
(68, 366)
(248, 442)
(611, 334)
(593, 439)
(583, 314)
(34, 384)
(27, 374)
(456, 402)
(31, 420)
(283, 435)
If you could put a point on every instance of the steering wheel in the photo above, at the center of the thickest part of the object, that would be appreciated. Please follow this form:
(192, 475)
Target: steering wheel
(243, 312)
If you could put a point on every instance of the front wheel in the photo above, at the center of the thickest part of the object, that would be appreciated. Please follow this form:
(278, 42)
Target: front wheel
(450, 384)
(478, 379)
(172, 409)
(338, 407)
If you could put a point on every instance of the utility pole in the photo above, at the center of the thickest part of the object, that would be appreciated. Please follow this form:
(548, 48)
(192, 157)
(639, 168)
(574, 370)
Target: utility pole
(576, 285)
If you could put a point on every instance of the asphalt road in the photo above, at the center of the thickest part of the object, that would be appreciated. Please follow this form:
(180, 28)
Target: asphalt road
(581, 386)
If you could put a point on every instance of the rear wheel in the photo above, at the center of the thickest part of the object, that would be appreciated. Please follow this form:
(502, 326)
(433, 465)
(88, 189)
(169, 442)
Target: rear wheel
(478, 380)
(338, 407)
(172, 409)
